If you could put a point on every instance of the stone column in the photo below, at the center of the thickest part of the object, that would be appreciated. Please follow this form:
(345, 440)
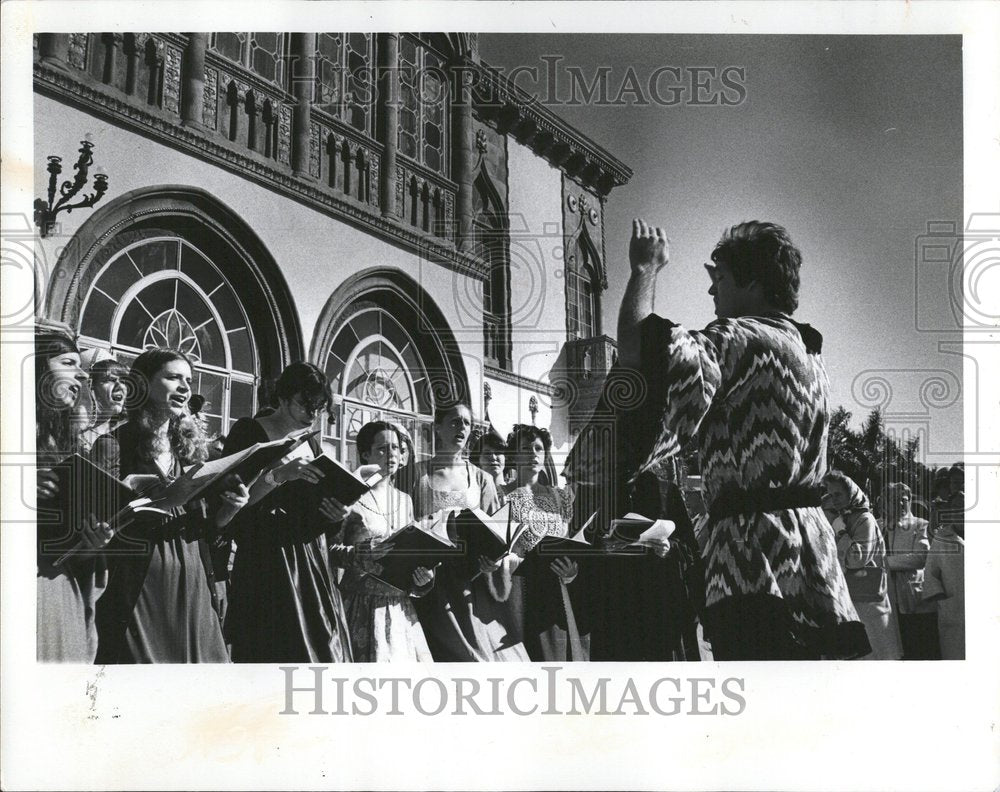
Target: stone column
(193, 84)
(463, 160)
(388, 114)
(303, 66)
(54, 49)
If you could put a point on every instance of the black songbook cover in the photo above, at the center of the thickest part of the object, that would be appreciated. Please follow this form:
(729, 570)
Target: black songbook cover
(337, 482)
(411, 547)
(84, 489)
(481, 534)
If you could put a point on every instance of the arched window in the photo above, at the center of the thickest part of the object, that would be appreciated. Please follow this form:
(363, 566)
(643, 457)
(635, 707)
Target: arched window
(377, 372)
(344, 77)
(163, 291)
(490, 246)
(582, 292)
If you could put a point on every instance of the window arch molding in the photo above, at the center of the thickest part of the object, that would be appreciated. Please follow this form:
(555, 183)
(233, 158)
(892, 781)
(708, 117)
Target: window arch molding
(194, 214)
(397, 293)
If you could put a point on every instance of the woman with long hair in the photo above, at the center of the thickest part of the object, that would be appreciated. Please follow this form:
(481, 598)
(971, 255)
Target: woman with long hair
(384, 624)
(160, 604)
(284, 602)
(550, 628)
(859, 545)
(461, 619)
(68, 593)
(108, 393)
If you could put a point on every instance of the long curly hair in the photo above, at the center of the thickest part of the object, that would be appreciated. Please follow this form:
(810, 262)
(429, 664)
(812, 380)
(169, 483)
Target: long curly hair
(185, 435)
(54, 433)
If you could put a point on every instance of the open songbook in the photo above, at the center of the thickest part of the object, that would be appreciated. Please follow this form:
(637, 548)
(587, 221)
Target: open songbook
(550, 548)
(213, 477)
(86, 490)
(337, 482)
(482, 534)
(424, 543)
(635, 531)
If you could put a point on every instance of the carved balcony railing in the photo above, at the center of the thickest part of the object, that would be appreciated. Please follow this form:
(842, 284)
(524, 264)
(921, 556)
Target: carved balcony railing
(343, 159)
(590, 358)
(144, 66)
(425, 200)
(246, 109)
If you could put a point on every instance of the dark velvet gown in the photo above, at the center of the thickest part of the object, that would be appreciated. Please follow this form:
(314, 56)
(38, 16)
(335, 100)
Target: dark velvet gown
(284, 604)
(159, 605)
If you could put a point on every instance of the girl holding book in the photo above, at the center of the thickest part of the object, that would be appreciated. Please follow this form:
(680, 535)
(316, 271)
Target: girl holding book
(463, 622)
(383, 621)
(160, 605)
(67, 594)
(550, 626)
(285, 606)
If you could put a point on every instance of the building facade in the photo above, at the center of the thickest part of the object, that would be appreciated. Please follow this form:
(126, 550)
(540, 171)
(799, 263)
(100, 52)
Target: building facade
(385, 206)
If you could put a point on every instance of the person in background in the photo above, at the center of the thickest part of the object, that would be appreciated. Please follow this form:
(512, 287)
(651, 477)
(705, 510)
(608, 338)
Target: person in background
(160, 605)
(860, 544)
(462, 621)
(68, 593)
(907, 546)
(489, 454)
(107, 388)
(944, 575)
(383, 621)
(403, 480)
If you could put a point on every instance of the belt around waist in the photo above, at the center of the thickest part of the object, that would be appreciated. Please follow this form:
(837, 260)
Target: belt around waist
(737, 502)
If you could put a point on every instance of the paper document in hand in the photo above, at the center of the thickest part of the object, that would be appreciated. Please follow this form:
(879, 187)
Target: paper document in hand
(337, 482)
(634, 530)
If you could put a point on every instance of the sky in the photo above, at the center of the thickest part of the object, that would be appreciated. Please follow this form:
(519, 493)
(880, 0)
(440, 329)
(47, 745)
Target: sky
(853, 143)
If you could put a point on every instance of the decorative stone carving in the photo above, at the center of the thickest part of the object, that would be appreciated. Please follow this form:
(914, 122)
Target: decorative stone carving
(78, 51)
(210, 99)
(172, 80)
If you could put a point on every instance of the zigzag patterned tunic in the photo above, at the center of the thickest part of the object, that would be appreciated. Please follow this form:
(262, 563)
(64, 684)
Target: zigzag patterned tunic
(754, 392)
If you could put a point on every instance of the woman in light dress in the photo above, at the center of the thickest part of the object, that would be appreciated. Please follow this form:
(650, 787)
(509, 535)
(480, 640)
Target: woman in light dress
(383, 622)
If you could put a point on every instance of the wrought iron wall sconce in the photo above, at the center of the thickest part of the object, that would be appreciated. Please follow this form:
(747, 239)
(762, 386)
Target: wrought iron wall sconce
(45, 213)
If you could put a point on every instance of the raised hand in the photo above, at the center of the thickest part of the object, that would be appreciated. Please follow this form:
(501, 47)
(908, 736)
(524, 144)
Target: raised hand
(649, 248)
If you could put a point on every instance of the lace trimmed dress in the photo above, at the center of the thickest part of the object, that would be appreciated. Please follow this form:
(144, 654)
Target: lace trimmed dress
(462, 620)
(384, 624)
(544, 511)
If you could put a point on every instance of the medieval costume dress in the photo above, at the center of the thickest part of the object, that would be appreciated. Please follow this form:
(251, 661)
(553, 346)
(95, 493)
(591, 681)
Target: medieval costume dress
(159, 606)
(754, 390)
(462, 620)
(284, 603)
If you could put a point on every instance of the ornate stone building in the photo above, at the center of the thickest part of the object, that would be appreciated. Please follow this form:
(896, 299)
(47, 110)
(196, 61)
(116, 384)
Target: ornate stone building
(383, 205)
